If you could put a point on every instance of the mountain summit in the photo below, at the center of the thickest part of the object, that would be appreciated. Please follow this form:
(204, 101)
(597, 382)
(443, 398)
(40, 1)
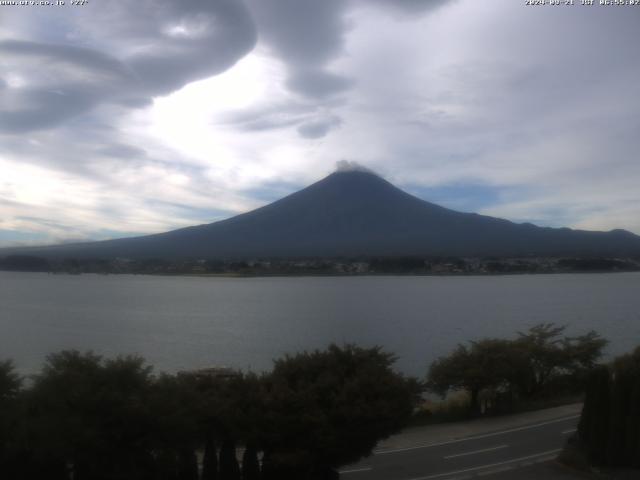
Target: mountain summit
(354, 212)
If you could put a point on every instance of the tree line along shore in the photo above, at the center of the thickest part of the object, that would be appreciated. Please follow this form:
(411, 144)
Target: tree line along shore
(443, 265)
(83, 416)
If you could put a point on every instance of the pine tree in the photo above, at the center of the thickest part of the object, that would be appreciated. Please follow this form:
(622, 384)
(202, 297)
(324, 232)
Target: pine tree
(250, 464)
(187, 465)
(229, 468)
(610, 423)
(634, 425)
(594, 422)
(166, 465)
(210, 460)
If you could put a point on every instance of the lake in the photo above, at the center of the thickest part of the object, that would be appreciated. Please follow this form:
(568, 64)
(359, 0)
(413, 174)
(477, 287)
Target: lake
(190, 322)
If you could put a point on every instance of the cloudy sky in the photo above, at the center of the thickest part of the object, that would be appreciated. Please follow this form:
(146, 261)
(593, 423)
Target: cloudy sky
(120, 118)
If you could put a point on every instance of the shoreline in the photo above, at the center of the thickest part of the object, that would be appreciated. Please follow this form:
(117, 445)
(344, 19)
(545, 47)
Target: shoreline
(331, 275)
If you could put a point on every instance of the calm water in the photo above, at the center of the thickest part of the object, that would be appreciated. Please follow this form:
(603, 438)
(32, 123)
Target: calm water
(189, 322)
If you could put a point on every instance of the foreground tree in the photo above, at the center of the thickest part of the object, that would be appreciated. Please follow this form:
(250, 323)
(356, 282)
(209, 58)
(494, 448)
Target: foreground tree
(210, 458)
(550, 355)
(10, 381)
(10, 417)
(490, 364)
(250, 463)
(609, 427)
(329, 408)
(232, 409)
(540, 361)
(92, 416)
(229, 467)
(593, 427)
(175, 405)
(85, 417)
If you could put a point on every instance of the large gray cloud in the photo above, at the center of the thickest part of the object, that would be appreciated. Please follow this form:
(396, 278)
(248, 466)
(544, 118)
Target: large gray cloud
(303, 32)
(132, 53)
(60, 82)
(319, 128)
(309, 34)
(411, 7)
(317, 83)
(306, 35)
(158, 48)
(120, 150)
(191, 40)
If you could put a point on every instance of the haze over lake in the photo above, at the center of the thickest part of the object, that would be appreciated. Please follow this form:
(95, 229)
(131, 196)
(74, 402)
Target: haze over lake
(190, 322)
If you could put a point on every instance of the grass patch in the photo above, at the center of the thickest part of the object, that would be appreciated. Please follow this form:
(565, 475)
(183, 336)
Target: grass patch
(454, 408)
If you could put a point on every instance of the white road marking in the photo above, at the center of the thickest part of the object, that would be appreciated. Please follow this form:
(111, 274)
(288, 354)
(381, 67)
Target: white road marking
(482, 467)
(567, 432)
(356, 470)
(490, 449)
(449, 442)
(493, 471)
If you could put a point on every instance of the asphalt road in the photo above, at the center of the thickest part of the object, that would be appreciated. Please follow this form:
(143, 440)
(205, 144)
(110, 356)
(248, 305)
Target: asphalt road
(478, 455)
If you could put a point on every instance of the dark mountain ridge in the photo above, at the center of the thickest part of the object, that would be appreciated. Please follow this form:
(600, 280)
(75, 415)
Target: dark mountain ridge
(353, 213)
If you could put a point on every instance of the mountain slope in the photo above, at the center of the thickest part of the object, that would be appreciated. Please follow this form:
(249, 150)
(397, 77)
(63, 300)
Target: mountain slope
(349, 214)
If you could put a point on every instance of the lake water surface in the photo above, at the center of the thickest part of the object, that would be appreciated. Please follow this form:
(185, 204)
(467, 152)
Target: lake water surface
(189, 322)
